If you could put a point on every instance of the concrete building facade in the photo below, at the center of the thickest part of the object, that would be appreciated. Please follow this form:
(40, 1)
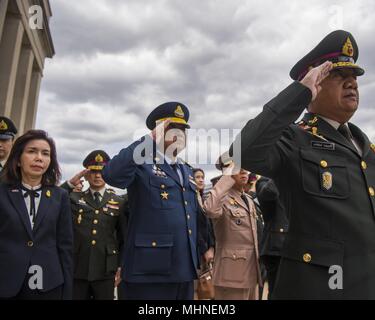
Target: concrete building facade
(25, 43)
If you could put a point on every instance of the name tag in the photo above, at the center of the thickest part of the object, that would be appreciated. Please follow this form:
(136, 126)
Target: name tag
(323, 145)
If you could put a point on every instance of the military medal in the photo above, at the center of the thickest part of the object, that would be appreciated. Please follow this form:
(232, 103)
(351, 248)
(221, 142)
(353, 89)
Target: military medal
(79, 219)
(327, 180)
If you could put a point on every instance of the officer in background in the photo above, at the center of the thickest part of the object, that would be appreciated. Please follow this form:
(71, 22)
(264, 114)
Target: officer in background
(275, 228)
(161, 252)
(324, 169)
(7, 133)
(99, 223)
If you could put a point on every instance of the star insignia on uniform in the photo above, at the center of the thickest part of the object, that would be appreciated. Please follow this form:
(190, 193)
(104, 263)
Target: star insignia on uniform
(164, 195)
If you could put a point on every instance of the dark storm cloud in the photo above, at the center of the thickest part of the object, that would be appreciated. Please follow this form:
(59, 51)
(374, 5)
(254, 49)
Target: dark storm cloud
(116, 60)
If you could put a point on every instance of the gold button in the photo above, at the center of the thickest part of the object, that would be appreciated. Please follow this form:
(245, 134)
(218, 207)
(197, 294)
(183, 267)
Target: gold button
(93, 242)
(30, 244)
(323, 164)
(281, 230)
(154, 244)
(190, 232)
(95, 221)
(185, 203)
(364, 165)
(80, 210)
(371, 191)
(307, 257)
(94, 232)
(114, 251)
(183, 189)
(188, 216)
(234, 256)
(96, 211)
(162, 186)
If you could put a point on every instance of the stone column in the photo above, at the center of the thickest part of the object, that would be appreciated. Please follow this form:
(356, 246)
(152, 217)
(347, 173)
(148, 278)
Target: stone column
(3, 12)
(10, 48)
(21, 92)
(32, 103)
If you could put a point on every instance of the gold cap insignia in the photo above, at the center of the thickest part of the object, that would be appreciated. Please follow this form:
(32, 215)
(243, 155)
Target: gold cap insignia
(179, 112)
(99, 158)
(327, 180)
(3, 125)
(347, 49)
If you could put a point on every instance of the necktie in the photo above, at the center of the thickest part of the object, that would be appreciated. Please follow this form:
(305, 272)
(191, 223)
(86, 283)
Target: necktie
(32, 194)
(97, 198)
(345, 131)
(244, 198)
(177, 169)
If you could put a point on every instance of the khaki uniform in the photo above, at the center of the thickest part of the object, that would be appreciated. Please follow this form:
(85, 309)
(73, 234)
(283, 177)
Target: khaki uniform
(236, 272)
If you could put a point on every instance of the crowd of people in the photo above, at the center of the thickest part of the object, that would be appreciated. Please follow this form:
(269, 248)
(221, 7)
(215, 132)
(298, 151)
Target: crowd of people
(300, 201)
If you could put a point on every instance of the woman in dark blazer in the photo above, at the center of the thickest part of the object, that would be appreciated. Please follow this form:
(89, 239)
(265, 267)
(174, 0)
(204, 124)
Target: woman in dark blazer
(36, 237)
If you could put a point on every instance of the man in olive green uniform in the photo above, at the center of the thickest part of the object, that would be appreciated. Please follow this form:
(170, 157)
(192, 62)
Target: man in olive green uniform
(324, 168)
(99, 224)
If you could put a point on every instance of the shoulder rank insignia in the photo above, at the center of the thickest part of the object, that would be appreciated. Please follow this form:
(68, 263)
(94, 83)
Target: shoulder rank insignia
(314, 120)
(113, 202)
(233, 202)
(327, 180)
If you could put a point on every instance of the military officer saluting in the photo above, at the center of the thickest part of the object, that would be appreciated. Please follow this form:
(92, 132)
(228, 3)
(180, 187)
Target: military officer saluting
(99, 222)
(161, 254)
(7, 133)
(324, 168)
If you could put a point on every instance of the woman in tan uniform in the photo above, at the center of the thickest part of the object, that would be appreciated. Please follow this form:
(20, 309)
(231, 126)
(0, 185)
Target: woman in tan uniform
(236, 274)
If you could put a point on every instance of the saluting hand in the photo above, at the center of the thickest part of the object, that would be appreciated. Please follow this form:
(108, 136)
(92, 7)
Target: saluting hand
(315, 76)
(158, 133)
(77, 181)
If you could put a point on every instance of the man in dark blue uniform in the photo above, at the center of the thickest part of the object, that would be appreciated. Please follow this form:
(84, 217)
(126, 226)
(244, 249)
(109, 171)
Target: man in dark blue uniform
(161, 254)
(324, 168)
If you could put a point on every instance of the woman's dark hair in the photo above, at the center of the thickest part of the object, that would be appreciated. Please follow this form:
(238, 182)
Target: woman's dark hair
(12, 173)
(195, 170)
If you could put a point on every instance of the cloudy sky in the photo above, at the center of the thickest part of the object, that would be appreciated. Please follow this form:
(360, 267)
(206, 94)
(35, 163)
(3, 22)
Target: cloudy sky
(118, 59)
